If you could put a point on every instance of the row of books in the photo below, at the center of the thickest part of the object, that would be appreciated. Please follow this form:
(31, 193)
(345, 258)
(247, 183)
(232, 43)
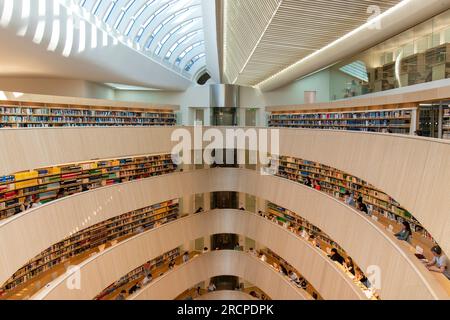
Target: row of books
(397, 121)
(92, 238)
(387, 115)
(16, 110)
(25, 116)
(46, 184)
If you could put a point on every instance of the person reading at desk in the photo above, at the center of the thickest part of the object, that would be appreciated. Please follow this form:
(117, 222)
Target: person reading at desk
(147, 279)
(294, 277)
(439, 263)
(359, 276)
(405, 234)
(199, 210)
(349, 265)
(335, 256)
(212, 287)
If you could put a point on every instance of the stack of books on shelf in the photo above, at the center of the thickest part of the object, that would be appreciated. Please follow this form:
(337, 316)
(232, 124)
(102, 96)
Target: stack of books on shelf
(140, 272)
(28, 115)
(89, 240)
(47, 184)
(397, 121)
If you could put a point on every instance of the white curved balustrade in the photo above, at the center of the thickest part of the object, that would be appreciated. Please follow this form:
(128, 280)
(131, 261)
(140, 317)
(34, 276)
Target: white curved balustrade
(414, 171)
(403, 276)
(100, 271)
(221, 263)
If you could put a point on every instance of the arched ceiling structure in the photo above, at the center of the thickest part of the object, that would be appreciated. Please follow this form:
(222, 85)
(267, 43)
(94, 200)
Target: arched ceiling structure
(168, 44)
(169, 31)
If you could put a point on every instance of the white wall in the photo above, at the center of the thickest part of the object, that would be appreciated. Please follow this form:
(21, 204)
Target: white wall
(291, 94)
(57, 87)
(194, 97)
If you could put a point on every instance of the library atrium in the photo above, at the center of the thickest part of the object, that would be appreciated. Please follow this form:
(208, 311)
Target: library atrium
(225, 150)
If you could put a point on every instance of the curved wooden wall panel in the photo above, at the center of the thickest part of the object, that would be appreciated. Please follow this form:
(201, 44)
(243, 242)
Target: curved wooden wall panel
(97, 273)
(222, 263)
(414, 171)
(403, 276)
(37, 148)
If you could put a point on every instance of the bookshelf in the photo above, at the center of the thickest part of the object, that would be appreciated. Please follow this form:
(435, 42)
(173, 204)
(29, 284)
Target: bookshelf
(36, 115)
(93, 238)
(446, 123)
(43, 185)
(284, 215)
(140, 272)
(273, 257)
(336, 183)
(396, 120)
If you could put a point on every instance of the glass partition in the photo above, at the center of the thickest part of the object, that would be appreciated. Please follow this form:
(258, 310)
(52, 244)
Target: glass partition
(418, 55)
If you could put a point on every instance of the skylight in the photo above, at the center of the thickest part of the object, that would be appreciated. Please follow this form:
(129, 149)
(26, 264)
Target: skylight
(161, 29)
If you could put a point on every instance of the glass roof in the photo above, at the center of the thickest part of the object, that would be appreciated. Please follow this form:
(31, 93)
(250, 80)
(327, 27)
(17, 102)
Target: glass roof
(168, 31)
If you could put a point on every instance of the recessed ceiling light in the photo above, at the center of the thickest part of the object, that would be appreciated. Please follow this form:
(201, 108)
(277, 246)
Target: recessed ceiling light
(119, 86)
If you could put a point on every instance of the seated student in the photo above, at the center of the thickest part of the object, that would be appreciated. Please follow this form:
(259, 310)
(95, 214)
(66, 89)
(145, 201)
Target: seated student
(254, 294)
(212, 287)
(293, 276)
(134, 289)
(359, 276)
(302, 283)
(263, 257)
(171, 265)
(147, 279)
(307, 182)
(316, 185)
(283, 269)
(121, 296)
(439, 263)
(252, 252)
(314, 241)
(242, 208)
(205, 250)
(349, 265)
(335, 256)
(199, 210)
(348, 198)
(405, 234)
(185, 257)
(362, 206)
